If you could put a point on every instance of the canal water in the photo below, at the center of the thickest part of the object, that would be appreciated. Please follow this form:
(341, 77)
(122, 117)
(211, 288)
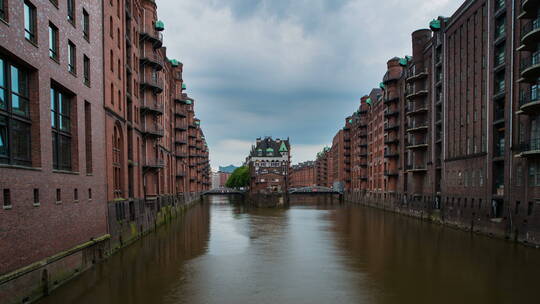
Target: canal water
(314, 253)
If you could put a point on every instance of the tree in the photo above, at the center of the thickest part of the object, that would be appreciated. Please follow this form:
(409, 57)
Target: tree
(239, 178)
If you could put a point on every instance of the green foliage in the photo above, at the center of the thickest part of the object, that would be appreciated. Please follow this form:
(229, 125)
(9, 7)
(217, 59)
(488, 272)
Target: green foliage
(239, 178)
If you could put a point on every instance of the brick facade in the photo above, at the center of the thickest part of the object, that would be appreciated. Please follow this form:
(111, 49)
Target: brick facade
(111, 109)
(455, 132)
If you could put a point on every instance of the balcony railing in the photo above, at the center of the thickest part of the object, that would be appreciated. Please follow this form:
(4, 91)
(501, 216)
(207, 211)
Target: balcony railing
(415, 142)
(417, 167)
(154, 163)
(154, 130)
(530, 27)
(530, 147)
(152, 81)
(529, 62)
(499, 149)
(151, 106)
(152, 59)
(529, 96)
(413, 125)
(150, 33)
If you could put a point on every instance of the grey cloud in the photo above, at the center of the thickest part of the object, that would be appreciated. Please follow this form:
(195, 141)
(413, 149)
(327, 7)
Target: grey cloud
(286, 67)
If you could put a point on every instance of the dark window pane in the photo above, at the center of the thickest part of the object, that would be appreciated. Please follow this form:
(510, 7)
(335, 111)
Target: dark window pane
(55, 150)
(64, 123)
(3, 137)
(20, 134)
(14, 79)
(64, 146)
(63, 103)
(2, 71)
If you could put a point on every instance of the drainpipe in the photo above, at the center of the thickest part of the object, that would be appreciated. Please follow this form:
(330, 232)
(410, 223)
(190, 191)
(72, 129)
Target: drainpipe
(511, 127)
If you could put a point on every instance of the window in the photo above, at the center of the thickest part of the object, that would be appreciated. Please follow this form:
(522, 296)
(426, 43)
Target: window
(517, 207)
(530, 208)
(14, 115)
(117, 163)
(58, 195)
(88, 136)
(86, 72)
(86, 25)
(36, 196)
(3, 10)
(72, 57)
(7, 198)
(89, 193)
(71, 11)
(61, 129)
(30, 21)
(500, 27)
(53, 41)
(76, 194)
(111, 60)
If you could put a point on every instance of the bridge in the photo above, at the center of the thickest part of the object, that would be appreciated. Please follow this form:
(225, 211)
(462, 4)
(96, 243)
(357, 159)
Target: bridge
(224, 191)
(313, 190)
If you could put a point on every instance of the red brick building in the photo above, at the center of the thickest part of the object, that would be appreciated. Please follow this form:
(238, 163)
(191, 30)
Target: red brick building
(52, 160)
(323, 168)
(454, 131)
(269, 162)
(91, 111)
(302, 175)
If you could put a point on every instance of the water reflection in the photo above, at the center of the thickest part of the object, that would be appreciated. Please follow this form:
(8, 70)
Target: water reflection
(314, 253)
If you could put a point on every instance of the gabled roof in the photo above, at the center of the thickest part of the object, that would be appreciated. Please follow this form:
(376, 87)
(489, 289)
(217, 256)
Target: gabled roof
(270, 147)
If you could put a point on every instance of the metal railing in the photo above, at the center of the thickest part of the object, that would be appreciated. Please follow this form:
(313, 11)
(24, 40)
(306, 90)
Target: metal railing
(532, 94)
(152, 81)
(530, 26)
(527, 62)
(151, 32)
(154, 129)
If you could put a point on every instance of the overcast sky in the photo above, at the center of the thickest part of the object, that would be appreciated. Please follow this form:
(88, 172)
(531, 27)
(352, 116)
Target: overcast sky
(286, 68)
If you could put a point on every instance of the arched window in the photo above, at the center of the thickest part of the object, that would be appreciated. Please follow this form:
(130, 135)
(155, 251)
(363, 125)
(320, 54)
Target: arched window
(117, 162)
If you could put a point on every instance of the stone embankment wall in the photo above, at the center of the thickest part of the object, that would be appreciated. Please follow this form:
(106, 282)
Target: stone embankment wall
(467, 218)
(128, 221)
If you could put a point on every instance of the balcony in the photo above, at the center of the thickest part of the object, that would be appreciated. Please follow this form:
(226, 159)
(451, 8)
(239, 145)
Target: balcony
(153, 131)
(530, 67)
(417, 144)
(363, 145)
(530, 148)
(391, 127)
(391, 140)
(529, 101)
(390, 78)
(391, 173)
(530, 34)
(178, 113)
(392, 98)
(151, 107)
(412, 94)
(391, 154)
(417, 126)
(180, 128)
(152, 60)
(418, 75)
(149, 33)
(153, 164)
(154, 83)
(415, 108)
(180, 154)
(362, 134)
(529, 8)
(391, 113)
(180, 175)
(420, 168)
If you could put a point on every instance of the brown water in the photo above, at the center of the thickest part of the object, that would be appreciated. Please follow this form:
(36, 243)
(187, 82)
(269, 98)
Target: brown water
(220, 253)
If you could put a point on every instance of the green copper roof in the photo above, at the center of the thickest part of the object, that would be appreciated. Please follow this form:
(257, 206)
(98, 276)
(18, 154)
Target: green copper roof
(368, 101)
(350, 120)
(403, 61)
(270, 150)
(189, 102)
(174, 62)
(382, 86)
(160, 25)
(435, 25)
(184, 86)
(197, 122)
(283, 147)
